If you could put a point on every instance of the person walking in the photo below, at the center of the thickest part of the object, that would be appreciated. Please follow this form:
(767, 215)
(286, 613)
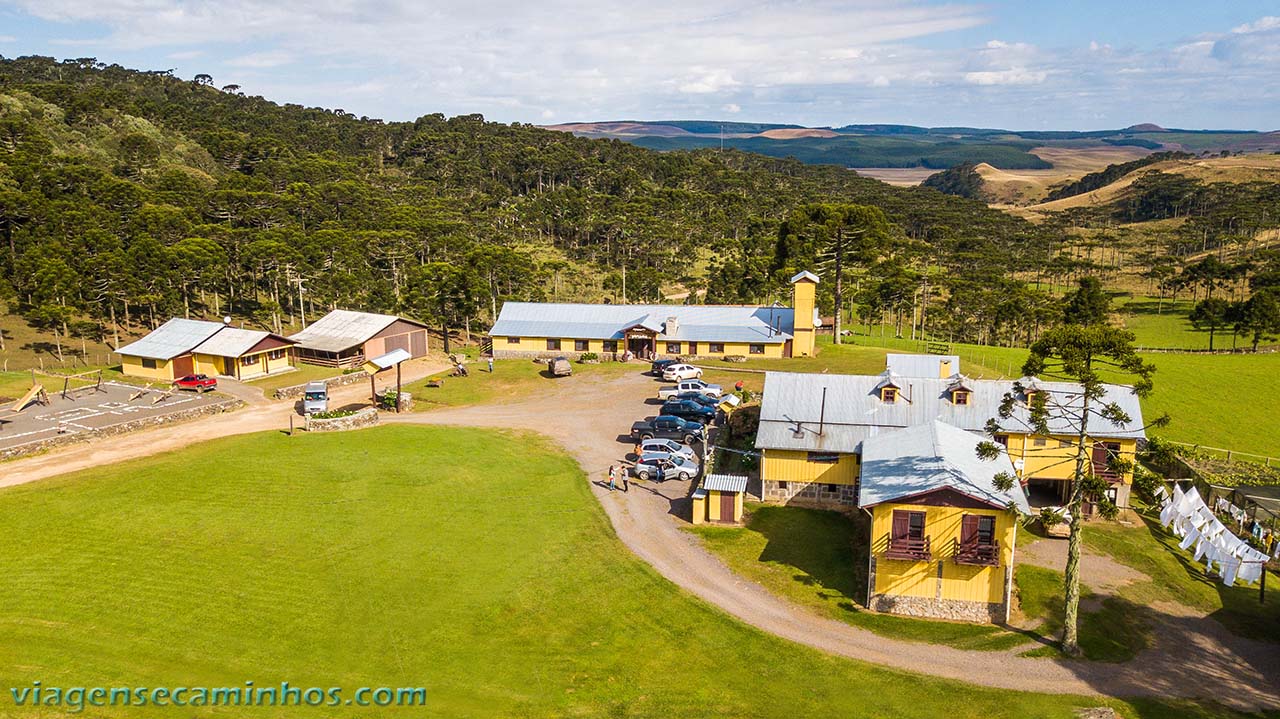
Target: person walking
(613, 478)
(491, 365)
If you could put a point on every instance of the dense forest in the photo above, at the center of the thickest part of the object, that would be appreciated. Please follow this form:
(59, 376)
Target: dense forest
(127, 197)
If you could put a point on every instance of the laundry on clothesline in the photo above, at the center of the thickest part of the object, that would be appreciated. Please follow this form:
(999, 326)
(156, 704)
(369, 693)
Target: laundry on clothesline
(1202, 533)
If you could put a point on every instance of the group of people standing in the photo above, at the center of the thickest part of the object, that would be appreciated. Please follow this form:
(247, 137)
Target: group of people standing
(618, 475)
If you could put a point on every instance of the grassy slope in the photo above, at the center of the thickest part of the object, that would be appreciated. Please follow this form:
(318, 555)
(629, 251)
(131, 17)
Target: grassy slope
(351, 560)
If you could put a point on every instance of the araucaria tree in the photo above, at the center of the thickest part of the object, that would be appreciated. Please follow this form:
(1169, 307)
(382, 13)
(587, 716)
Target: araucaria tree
(1076, 356)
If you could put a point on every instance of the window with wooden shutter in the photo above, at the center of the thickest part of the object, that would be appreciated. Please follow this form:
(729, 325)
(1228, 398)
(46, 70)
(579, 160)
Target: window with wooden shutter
(901, 524)
(969, 528)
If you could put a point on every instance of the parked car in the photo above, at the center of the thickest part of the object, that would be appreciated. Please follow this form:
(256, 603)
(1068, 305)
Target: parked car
(560, 367)
(681, 372)
(672, 466)
(659, 365)
(698, 397)
(665, 427)
(198, 382)
(689, 409)
(690, 385)
(315, 398)
(667, 446)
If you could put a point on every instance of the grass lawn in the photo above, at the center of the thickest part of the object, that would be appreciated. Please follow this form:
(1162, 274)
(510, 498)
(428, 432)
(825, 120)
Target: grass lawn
(811, 557)
(1153, 551)
(392, 557)
(301, 375)
(1111, 629)
(1157, 324)
(511, 379)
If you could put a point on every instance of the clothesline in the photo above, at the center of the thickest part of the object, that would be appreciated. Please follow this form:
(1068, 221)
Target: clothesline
(1186, 514)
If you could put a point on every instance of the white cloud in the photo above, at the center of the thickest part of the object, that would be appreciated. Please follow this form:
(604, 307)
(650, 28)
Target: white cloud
(8, 38)
(815, 61)
(270, 58)
(1012, 76)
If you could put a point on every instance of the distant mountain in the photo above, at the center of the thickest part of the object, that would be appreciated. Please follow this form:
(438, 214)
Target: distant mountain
(908, 146)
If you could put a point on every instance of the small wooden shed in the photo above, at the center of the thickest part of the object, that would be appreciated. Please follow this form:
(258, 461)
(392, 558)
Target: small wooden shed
(720, 499)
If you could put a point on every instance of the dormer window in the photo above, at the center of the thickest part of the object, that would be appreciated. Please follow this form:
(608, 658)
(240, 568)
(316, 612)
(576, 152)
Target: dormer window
(960, 396)
(889, 394)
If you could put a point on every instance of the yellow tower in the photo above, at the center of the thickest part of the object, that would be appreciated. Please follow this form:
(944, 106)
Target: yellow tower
(804, 291)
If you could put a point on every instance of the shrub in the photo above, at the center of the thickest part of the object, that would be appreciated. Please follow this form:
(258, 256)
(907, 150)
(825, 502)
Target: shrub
(333, 414)
(588, 357)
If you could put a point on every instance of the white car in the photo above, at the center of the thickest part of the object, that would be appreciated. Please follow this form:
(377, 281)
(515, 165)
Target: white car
(680, 372)
(667, 446)
(690, 385)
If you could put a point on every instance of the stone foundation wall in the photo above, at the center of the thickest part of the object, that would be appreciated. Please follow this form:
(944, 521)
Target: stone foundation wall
(60, 440)
(366, 417)
(811, 494)
(935, 608)
(341, 380)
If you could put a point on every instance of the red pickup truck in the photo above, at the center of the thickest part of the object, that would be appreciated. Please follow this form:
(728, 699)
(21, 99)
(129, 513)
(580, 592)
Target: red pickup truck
(198, 382)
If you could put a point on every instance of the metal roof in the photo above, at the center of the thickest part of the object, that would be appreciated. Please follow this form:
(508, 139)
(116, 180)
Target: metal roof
(854, 412)
(390, 359)
(694, 323)
(918, 365)
(171, 339)
(805, 275)
(233, 342)
(725, 482)
(342, 329)
(929, 457)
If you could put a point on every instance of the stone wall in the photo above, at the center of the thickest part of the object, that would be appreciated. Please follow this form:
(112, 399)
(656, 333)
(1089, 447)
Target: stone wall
(342, 380)
(935, 608)
(366, 417)
(809, 494)
(60, 440)
(938, 608)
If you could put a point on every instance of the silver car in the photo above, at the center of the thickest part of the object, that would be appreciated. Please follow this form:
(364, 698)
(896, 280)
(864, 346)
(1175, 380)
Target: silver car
(667, 466)
(667, 446)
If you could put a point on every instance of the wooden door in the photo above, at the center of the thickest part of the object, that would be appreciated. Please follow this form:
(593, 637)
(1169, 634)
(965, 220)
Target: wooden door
(727, 506)
(693, 348)
(183, 366)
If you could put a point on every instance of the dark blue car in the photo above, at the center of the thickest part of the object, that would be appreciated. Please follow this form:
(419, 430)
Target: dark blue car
(658, 365)
(689, 409)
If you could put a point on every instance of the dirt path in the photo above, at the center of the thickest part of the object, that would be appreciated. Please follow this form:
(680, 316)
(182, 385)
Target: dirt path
(259, 416)
(589, 417)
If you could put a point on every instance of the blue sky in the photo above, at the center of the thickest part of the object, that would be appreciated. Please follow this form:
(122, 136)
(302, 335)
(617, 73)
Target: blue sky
(1070, 64)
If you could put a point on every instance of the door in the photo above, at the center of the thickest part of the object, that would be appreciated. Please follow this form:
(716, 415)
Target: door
(183, 366)
(693, 349)
(229, 366)
(786, 349)
(726, 506)
(1101, 457)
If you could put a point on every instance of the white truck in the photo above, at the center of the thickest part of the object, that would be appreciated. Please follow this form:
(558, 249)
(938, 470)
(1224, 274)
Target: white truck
(690, 385)
(315, 398)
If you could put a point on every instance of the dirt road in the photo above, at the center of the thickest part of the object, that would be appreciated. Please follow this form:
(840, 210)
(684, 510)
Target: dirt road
(1200, 660)
(588, 417)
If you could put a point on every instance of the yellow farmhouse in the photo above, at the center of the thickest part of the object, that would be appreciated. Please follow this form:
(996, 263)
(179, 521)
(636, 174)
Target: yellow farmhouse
(942, 533)
(538, 329)
(812, 427)
(181, 347)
